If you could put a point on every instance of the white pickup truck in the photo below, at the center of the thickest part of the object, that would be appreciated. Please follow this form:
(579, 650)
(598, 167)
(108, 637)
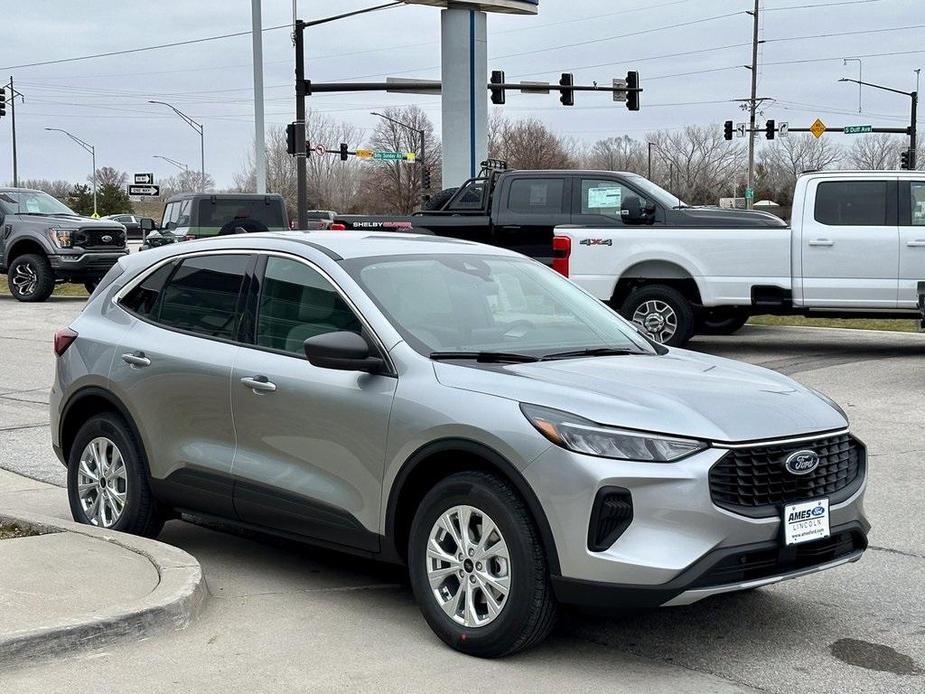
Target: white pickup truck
(855, 248)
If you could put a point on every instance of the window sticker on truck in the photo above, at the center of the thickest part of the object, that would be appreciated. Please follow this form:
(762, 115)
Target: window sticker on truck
(610, 197)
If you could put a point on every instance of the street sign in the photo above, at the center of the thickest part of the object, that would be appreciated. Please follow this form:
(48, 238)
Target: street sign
(320, 150)
(411, 156)
(858, 129)
(388, 156)
(145, 191)
(144, 179)
(740, 129)
(365, 154)
(783, 128)
(527, 87)
(749, 193)
(817, 128)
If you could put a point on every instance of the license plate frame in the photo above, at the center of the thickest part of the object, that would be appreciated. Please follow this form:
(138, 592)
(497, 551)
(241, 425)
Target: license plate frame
(805, 522)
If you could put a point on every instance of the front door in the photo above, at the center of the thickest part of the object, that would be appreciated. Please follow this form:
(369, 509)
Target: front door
(850, 244)
(911, 241)
(311, 441)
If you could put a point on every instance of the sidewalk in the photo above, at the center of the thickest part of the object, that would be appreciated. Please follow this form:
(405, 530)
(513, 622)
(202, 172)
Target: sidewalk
(71, 586)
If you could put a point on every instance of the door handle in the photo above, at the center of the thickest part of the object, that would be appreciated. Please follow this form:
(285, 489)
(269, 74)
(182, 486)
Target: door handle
(918, 243)
(136, 360)
(259, 384)
(821, 242)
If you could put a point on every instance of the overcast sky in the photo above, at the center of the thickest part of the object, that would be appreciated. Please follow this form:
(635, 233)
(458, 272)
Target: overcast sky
(104, 100)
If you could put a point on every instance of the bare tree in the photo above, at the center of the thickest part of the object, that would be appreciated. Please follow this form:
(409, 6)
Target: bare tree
(185, 182)
(786, 158)
(107, 175)
(528, 144)
(879, 151)
(621, 153)
(697, 163)
(57, 189)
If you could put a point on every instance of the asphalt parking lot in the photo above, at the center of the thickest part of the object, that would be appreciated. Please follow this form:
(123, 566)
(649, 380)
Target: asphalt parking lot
(284, 617)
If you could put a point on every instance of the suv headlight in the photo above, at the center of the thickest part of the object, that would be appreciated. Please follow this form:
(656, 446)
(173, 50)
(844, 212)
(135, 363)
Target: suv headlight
(61, 237)
(584, 436)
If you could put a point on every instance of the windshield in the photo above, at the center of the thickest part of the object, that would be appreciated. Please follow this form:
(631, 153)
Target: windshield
(32, 202)
(472, 303)
(654, 192)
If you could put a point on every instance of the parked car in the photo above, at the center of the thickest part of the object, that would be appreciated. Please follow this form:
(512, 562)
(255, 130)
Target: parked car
(44, 242)
(451, 406)
(132, 224)
(189, 216)
(855, 249)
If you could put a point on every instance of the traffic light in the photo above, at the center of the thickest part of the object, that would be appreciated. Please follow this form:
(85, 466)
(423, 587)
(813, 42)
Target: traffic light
(290, 140)
(632, 96)
(344, 153)
(497, 92)
(769, 129)
(905, 160)
(425, 178)
(567, 94)
(2, 102)
(727, 130)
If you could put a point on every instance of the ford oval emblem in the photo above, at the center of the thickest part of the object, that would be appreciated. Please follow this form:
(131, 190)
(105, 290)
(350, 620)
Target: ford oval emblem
(107, 239)
(801, 462)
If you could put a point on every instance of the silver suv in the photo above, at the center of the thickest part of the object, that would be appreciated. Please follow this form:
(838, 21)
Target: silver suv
(452, 406)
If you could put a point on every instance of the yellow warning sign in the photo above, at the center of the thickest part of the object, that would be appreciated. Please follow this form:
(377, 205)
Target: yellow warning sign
(817, 128)
(365, 153)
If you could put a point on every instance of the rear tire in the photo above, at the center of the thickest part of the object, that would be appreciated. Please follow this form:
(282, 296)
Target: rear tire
(107, 483)
(91, 285)
(30, 278)
(509, 557)
(722, 321)
(662, 312)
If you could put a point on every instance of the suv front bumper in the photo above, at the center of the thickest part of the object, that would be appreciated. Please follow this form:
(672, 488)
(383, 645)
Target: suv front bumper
(85, 265)
(680, 547)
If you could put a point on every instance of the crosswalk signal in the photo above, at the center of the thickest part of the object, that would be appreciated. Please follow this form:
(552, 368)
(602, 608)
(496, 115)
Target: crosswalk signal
(290, 140)
(769, 128)
(344, 152)
(497, 88)
(2, 102)
(567, 93)
(905, 160)
(727, 130)
(632, 96)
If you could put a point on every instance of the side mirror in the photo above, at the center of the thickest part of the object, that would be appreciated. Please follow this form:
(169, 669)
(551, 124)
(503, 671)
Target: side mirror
(632, 211)
(344, 351)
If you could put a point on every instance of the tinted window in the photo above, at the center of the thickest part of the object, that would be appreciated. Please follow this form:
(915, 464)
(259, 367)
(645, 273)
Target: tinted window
(918, 204)
(202, 295)
(143, 298)
(852, 203)
(214, 215)
(536, 196)
(604, 197)
(472, 197)
(297, 303)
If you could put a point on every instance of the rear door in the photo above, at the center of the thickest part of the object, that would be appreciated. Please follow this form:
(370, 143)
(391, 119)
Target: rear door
(173, 369)
(911, 240)
(531, 207)
(850, 244)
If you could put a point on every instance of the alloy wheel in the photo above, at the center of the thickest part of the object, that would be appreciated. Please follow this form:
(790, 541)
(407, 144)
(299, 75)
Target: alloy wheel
(658, 319)
(468, 566)
(24, 279)
(102, 482)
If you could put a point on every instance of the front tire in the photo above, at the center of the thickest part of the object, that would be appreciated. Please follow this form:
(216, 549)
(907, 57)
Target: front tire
(662, 312)
(478, 569)
(107, 485)
(30, 278)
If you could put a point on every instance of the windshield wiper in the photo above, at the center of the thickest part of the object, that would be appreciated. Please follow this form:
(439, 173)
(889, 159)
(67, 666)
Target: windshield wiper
(591, 352)
(485, 357)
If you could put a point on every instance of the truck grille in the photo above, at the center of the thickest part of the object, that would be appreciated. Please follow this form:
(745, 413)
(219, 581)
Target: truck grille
(96, 238)
(754, 481)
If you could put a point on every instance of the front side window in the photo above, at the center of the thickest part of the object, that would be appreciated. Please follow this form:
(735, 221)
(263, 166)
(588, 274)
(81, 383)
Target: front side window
(604, 197)
(470, 303)
(918, 203)
(202, 295)
(296, 303)
(536, 196)
(472, 197)
(852, 203)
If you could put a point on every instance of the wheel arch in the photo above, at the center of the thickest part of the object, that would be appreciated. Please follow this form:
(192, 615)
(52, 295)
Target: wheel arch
(436, 461)
(648, 272)
(23, 246)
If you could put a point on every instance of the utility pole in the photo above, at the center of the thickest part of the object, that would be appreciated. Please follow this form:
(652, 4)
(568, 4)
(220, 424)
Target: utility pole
(13, 95)
(753, 104)
(260, 142)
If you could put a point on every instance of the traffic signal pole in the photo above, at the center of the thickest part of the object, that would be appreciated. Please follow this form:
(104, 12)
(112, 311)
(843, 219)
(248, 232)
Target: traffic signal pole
(753, 106)
(301, 165)
(13, 125)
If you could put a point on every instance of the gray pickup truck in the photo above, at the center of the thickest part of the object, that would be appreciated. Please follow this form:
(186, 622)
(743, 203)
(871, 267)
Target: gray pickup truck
(43, 242)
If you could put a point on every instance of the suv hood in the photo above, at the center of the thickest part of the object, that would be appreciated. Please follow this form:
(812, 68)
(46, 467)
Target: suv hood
(682, 393)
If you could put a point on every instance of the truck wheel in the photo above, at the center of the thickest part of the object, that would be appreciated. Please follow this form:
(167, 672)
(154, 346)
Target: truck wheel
(91, 285)
(662, 312)
(30, 278)
(438, 200)
(722, 321)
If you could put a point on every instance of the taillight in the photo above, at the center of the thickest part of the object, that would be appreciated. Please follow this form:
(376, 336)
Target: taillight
(63, 339)
(337, 227)
(561, 250)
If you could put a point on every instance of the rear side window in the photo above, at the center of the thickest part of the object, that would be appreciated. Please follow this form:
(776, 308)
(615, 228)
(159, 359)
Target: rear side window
(536, 196)
(214, 215)
(852, 203)
(142, 300)
(202, 295)
(918, 203)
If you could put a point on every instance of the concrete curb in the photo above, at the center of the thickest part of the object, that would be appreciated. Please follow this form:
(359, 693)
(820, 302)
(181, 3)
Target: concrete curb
(174, 603)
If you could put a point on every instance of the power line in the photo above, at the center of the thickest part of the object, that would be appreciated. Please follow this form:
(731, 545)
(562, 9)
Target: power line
(821, 4)
(844, 33)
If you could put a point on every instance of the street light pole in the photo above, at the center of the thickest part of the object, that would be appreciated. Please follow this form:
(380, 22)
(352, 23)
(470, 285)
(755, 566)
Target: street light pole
(89, 148)
(198, 127)
(421, 134)
(860, 76)
(179, 164)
